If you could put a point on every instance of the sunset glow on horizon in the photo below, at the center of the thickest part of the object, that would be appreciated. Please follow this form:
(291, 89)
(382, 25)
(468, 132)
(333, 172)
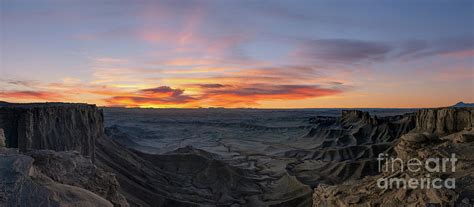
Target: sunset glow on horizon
(260, 54)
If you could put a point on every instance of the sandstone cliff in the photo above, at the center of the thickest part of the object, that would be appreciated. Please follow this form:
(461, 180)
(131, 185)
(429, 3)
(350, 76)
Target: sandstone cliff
(63, 177)
(54, 126)
(438, 134)
(444, 120)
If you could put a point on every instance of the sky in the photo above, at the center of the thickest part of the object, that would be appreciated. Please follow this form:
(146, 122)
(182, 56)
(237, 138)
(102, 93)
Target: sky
(259, 54)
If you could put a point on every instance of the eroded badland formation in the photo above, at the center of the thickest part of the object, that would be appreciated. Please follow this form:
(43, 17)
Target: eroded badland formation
(58, 154)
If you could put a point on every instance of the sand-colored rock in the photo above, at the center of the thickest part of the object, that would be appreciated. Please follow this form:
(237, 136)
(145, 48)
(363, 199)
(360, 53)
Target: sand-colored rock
(2, 138)
(438, 134)
(444, 120)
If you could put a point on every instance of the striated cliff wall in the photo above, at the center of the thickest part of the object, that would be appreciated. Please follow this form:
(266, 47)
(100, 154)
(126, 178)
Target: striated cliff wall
(54, 126)
(438, 133)
(444, 120)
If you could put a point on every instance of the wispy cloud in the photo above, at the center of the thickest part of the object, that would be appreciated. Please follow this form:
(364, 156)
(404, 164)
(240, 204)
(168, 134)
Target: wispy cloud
(342, 51)
(417, 49)
(31, 95)
(353, 51)
(250, 95)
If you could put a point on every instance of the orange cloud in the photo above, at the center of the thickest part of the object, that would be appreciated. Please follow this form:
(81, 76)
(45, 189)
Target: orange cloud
(248, 95)
(219, 95)
(151, 97)
(31, 95)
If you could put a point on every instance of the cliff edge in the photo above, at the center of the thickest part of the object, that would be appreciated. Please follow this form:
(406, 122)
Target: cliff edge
(53, 126)
(47, 153)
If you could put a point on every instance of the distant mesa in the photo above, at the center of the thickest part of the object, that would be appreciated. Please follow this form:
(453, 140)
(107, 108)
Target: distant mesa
(462, 104)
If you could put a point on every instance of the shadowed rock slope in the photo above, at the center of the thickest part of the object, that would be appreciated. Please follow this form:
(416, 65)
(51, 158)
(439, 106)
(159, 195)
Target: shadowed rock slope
(22, 184)
(346, 147)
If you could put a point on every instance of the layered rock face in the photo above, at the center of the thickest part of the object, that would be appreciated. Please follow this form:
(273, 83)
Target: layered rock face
(438, 135)
(63, 177)
(444, 121)
(54, 126)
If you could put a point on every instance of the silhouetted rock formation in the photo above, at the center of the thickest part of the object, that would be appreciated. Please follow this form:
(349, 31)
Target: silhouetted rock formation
(462, 104)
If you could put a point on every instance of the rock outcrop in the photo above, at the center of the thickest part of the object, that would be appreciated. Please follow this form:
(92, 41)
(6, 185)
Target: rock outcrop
(22, 184)
(348, 146)
(438, 134)
(444, 120)
(63, 177)
(54, 126)
(2, 138)
(71, 168)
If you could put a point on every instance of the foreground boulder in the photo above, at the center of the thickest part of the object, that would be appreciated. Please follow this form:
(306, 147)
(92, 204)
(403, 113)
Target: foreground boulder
(71, 168)
(22, 184)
